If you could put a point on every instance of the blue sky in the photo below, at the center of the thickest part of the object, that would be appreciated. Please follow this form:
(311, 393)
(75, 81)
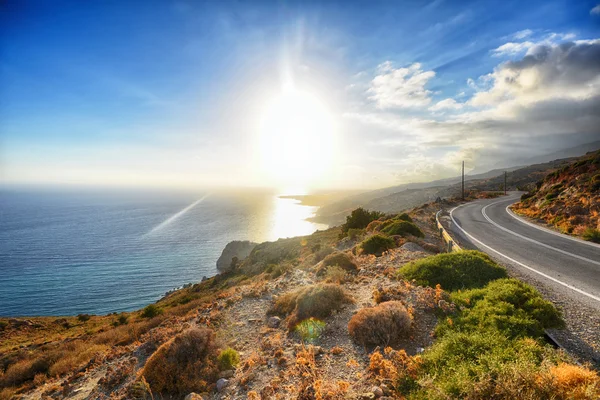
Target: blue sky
(168, 92)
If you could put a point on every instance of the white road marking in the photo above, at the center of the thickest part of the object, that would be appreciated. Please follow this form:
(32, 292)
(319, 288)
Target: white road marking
(541, 228)
(533, 240)
(591, 296)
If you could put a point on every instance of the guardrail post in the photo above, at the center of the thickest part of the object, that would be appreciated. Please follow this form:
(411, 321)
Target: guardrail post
(449, 246)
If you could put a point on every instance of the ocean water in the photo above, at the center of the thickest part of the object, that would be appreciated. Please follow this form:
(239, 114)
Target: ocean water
(97, 252)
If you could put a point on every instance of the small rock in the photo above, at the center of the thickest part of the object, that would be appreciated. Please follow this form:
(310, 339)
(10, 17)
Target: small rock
(386, 390)
(227, 374)
(367, 396)
(377, 391)
(193, 396)
(222, 384)
(273, 322)
(254, 320)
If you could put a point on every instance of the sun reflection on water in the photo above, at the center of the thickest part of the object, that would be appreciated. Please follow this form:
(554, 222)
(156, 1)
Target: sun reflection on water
(289, 219)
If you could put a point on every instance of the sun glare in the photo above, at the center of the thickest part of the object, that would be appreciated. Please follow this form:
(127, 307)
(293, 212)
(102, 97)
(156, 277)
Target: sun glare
(296, 140)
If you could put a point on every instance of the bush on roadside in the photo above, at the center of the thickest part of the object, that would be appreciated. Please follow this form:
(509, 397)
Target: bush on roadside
(316, 301)
(482, 366)
(591, 235)
(377, 244)
(228, 359)
(505, 305)
(403, 228)
(382, 325)
(453, 271)
(186, 363)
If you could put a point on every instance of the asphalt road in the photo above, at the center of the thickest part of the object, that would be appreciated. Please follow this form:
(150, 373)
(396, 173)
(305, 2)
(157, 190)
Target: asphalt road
(564, 263)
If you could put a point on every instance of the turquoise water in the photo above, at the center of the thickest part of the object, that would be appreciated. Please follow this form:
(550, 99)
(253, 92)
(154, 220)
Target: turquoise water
(70, 252)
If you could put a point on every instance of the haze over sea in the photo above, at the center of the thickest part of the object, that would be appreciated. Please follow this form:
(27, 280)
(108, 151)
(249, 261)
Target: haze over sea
(97, 252)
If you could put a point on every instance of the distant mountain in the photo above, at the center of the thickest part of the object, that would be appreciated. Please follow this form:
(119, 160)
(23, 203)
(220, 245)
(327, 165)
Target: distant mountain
(576, 151)
(399, 198)
(572, 152)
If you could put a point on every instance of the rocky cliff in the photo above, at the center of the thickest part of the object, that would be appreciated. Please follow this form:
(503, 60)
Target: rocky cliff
(238, 248)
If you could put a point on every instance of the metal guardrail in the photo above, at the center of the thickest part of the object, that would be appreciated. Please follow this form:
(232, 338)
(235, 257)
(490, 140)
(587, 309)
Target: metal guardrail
(450, 243)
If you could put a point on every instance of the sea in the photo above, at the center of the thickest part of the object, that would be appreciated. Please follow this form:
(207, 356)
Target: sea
(71, 251)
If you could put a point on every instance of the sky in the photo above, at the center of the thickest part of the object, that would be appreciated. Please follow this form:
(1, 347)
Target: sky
(315, 95)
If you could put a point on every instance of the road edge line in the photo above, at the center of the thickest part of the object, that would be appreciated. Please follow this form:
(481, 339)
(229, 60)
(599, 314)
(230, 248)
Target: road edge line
(591, 296)
(533, 240)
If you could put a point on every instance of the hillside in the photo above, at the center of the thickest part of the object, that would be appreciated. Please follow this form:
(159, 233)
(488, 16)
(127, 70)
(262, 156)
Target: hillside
(568, 198)
(367, 310)
(400, 198)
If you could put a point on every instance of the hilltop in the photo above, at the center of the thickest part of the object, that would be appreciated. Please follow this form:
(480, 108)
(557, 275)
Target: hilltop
(370, 309)
(568, 199)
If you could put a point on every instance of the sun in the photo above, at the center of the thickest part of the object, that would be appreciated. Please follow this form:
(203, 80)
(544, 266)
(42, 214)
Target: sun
(296, 143)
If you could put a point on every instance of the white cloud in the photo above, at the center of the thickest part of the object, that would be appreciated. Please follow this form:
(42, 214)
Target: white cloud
(401, 87)
(522, 34)
(514, 48)
(537, 103)
(446, 104)
(595, 10)
(569, 70)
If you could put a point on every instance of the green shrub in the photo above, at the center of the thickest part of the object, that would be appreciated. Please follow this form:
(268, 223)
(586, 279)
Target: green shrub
(453, 271)
(322, 253)
(83, 317)
(316, 301)
(377, 244)
(592, 235)
(382, 325)
(122, 319)
(342, 260)
(335, 274)
(506, 305)
(354, 233)
(151, 311)
(359, 219)
(310, 329)
(476, 366)
(551, 196)
(404, 217)
(3, 325)
(228, 359)
(403, 228)
(187, 363)
(276, 270)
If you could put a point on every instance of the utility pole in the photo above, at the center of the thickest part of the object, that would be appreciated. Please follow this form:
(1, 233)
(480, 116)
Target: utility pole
(505, 183)
(463, 180)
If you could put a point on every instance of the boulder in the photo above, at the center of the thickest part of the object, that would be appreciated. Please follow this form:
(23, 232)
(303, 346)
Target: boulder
(222, 384)
(273, 322)
(410, 246)
(239, 249)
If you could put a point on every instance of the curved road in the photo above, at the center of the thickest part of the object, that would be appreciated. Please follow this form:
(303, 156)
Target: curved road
(564, 263)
